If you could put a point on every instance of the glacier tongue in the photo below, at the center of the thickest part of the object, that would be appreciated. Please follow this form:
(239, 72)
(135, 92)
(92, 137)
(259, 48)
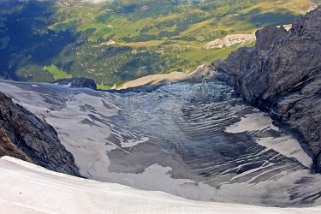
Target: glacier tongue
(197, 141)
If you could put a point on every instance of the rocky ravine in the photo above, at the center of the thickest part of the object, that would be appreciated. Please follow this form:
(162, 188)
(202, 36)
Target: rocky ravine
(25, 136)
(282, 75)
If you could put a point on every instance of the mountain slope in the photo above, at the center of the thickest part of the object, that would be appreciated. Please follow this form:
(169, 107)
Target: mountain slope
(123, 40)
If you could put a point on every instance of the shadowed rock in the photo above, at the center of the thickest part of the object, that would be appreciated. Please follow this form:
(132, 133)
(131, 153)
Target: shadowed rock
(25, 136)
(77, 83)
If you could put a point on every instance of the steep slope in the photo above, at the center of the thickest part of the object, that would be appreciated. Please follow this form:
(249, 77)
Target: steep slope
(282, 75)
(27, 188)
(24, 136)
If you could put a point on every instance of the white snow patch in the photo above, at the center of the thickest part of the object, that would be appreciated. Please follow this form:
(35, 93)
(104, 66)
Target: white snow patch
(132, 143)
(252, 122)
(27, 188)
(288, 147)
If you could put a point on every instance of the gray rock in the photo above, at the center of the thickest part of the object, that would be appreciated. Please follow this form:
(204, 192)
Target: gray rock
(25, 136)
(282, 75)
(77, 83)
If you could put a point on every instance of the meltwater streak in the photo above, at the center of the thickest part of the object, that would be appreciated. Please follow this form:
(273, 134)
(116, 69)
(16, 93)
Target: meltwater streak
(198, 141)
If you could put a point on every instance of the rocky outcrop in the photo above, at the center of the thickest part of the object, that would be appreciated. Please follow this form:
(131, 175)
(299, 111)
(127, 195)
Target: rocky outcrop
(282, 75)
(24, 136)
(230, 40)
(77, 83)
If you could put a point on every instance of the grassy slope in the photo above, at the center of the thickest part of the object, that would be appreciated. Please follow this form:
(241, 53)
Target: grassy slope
(56, 72)
(152, 36)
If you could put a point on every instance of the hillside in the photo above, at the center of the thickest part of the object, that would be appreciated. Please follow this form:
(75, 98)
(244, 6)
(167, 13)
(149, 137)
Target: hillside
(112, 42)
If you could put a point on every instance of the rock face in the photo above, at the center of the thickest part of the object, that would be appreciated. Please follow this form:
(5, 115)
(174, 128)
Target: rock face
(282, 74)
(24, 136)
(77, 83)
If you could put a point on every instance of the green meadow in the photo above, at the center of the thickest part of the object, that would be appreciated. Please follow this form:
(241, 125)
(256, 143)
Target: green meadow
(124, 40)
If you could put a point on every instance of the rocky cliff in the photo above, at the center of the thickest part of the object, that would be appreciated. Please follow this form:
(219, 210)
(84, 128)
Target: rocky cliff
(24, 136)
(282, 75)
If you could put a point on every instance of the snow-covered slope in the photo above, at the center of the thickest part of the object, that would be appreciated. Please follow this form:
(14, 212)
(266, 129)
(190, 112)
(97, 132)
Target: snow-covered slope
(27, 188)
